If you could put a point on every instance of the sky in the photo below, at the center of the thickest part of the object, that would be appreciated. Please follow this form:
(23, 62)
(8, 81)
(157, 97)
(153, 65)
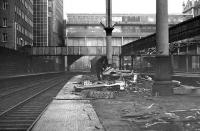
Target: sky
(119, 6)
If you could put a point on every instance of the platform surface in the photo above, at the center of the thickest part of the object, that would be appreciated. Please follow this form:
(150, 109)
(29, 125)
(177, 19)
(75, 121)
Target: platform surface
(69, 112)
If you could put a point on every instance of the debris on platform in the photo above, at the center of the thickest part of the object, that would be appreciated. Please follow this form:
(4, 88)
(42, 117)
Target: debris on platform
(98, 94)
(154, 117)
(116, 81)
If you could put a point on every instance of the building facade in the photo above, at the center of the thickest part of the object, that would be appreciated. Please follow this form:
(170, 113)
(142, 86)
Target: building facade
(48, 22)
(56, 23)
(16, 23)
(186, 56)
(48, 26)
(192, 7)
(86, 30)
(40, 20)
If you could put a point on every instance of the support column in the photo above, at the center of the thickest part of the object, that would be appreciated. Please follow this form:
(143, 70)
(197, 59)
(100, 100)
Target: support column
(163, 70)
(109, 51)
(67, 66)
(187, 58)
(131, 62)
(109, 30)
(121, 62)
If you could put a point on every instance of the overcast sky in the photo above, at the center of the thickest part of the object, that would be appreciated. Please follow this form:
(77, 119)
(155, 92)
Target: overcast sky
(119, 6)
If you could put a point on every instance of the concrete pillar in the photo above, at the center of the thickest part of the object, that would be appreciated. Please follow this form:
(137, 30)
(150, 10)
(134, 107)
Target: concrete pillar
(162, 32)
(120, 62)
(132, 62)
(109, 50)
(67, 65)
(121, 59)
(123, 62)
(187, 62)
(109, 30)
(163, 69)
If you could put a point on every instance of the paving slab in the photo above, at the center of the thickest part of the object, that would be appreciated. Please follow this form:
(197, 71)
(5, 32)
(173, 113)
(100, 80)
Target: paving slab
(187, 90)
(69, 112)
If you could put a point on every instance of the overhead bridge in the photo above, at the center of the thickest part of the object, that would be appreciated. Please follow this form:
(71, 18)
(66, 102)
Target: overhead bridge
(71, 50)
(185, 30)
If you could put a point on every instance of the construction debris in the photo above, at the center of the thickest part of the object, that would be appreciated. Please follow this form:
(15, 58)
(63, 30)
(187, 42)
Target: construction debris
(117, 80)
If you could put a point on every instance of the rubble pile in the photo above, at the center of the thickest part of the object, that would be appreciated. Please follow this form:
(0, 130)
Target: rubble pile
(114, 81)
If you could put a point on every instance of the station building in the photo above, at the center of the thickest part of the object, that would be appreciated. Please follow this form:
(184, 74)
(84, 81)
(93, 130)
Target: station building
(16, 23)
(186, 55)
(86, 30)
(191, 7)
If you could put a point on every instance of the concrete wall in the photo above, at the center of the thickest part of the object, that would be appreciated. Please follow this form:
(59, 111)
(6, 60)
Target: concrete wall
(15, 63)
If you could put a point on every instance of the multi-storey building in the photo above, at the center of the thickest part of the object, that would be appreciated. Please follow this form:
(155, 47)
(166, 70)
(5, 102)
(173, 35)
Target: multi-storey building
(192, 7)
(48, 22)
(40, 21)
(48, 25)
(16, 23)
(55, 19)
(86, 30)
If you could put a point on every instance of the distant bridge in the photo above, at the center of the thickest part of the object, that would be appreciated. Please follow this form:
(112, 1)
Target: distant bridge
(181, 31)
(72, 50)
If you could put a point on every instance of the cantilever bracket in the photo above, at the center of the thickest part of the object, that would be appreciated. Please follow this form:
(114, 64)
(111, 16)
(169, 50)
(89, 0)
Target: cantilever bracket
(102, 25)
(107, 27)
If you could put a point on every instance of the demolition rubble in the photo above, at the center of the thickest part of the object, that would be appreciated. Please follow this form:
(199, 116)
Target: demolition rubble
(124, 98)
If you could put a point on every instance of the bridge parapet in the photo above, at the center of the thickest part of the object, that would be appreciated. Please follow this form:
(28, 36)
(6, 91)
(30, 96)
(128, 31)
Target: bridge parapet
(72, 50)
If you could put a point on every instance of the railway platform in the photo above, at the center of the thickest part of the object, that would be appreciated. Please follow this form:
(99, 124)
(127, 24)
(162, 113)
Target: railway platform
(69, 112)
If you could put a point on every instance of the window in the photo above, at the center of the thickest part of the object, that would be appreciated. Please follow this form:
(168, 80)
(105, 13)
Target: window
(5, 4)
(4, 22)
(5, 37)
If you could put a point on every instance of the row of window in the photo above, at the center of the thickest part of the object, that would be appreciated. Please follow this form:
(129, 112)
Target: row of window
(24, 2)
(19, 40)
(124, 29)
(23, 16)
(24, 31)
(98, 41)
(27, 6)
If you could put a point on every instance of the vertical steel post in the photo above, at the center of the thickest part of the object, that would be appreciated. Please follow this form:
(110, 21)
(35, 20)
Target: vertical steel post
(109, 30)
(15, 35)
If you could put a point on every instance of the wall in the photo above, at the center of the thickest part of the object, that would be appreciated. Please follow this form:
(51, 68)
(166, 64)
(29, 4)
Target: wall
(16, 63)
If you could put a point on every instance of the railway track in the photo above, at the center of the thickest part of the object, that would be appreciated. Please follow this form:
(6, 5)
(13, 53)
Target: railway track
(8, 93)
(10, 84)
(21, 115)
